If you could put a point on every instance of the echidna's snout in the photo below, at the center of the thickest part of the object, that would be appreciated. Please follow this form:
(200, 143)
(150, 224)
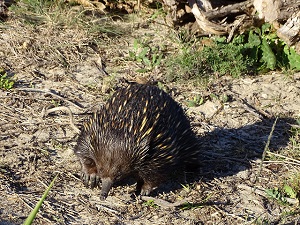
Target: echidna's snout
(106, 185)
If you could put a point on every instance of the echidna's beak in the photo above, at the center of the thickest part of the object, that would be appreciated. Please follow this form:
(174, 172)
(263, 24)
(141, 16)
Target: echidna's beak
(106, 185)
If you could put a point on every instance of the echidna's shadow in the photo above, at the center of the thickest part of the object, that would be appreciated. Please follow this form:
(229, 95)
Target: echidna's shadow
(225, 152)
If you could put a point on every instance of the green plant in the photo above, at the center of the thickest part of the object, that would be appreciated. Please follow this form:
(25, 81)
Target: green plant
(293, 58)
(187, 187)
(259, 50)
(292, 186)
(290, 192)
(276, 194)
(268, 51)
(32, 215)
(55, 103)
(287, 191)
(188, 205)
(150, 203)
(6, 83)
(197, 100)
(158, 12)
(219, 58)
(149, 56)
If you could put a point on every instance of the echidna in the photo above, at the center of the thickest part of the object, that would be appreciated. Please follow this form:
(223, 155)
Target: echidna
(140, 132)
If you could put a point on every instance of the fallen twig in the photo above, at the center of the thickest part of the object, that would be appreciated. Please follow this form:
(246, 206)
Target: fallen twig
(266, 149)
(51, 92)
(163, 203)
(65, 109)
(257, 112)
(283, 156)
(282, 162)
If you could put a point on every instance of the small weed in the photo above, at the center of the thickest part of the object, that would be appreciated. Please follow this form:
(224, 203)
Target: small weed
(290, 192)
(55, 103)
(149, 56)
(150, 203)
(218, 57)
(197, 100)
(292, 186)
(224, 98)
(276, 194)
(6, 83)
(38, 12)
(287, 191)
(158, 12)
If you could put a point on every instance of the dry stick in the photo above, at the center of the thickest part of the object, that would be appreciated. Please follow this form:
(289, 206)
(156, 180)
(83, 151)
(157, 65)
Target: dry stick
(229, 214)
(251, 109)
(111, 211)
(282, 162)
(283, 156)
(163, 203)
(266, 149)
(47, 91)
(65, 109)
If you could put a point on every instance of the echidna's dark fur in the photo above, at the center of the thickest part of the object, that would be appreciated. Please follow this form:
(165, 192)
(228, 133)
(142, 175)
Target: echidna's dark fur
(142, 132)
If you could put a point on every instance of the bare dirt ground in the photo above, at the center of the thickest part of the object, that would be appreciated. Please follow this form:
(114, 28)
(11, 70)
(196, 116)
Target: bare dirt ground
(64, 67)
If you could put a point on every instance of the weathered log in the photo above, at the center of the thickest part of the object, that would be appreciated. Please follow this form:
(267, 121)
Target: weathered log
(290, 31)
(207, 26)
(268, 10)
(229, 9)
(292, 6)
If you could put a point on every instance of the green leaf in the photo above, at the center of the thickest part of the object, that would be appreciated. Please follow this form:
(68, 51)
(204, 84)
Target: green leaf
(253, 39)
(268, 57)
(289, 191)
(294, 59)
(265, 28)
(135, 44)
(132, 55)
(141, 70)
(157, 62)
(143, 53)
(146, 61)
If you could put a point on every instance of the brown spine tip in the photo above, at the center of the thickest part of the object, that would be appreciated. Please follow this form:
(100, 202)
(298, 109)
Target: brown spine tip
(106, 185)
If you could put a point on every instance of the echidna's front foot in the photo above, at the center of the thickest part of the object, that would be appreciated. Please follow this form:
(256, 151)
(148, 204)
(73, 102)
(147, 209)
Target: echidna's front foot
(146, 190)
(90, 180)
(143, 188)
(89, 172)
